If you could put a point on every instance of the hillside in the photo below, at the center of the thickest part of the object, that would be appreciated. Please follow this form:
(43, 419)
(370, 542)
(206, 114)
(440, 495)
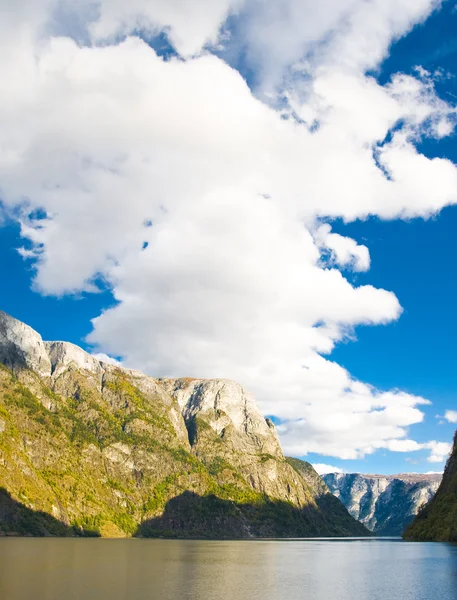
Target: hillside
(90, 448)
(385, 504)
(437, 521)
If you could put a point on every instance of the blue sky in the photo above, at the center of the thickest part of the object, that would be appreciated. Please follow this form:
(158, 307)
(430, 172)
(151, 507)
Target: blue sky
(416, 259)
(66, 317)
(417, 353)
(151, 297)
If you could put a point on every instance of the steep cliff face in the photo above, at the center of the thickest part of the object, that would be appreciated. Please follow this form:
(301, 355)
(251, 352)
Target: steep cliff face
(437, 521)
(91, 448)
(21, 347)
(384, 504)
(223, 420)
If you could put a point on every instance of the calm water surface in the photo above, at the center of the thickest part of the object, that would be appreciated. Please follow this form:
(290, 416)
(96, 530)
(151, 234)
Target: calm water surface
(81, 569)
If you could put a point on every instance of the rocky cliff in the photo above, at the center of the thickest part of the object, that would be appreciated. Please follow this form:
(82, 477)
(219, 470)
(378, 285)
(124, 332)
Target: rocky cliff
(437, 521)
(384, 504)
(89, 448)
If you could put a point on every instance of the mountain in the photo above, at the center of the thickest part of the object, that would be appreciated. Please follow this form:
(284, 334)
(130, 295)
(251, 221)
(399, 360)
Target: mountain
(437, 521)
(90, 448)
(385, 504)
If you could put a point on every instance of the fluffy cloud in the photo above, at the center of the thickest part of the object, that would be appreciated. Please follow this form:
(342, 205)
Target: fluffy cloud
(279, 39)
(439, 451)
(451, 416)
(344, 251)
(351, 420)
(107, 359)
(324, 469)
(202, 206)
(190, 25)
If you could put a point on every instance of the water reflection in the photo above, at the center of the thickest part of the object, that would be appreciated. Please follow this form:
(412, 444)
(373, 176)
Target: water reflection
(84, 569)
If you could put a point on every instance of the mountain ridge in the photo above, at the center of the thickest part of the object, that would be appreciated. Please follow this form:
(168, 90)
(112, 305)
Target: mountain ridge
(385, 504)
(412, 477)
(106, 449)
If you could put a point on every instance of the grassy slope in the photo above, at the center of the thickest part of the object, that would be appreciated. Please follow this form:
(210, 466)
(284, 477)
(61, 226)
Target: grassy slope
(95, 467)
(342, 521)
(78, 461)
(437, 521)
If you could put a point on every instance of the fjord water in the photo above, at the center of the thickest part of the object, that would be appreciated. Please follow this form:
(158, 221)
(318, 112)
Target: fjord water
(320, 569)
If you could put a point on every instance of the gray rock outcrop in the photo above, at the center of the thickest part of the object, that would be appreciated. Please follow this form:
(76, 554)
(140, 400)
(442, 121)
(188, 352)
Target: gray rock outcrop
(22, 347)
(386, 505)
(225, 403)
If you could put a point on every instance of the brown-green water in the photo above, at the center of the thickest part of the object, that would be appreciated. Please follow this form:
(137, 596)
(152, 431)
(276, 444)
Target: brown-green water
(91, 569)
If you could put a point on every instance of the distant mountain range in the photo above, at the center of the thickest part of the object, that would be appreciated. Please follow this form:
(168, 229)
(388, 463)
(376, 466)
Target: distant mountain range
(437, 521)
(90, 448)
(385, 504)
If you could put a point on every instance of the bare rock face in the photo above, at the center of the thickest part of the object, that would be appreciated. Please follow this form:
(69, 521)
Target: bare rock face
(386, 505)
(226, 404)
(224, 421)
(22, 347)
(64, 354)
(68, 369)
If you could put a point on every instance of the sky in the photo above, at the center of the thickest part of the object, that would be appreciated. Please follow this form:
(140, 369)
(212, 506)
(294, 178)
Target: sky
(260, 190)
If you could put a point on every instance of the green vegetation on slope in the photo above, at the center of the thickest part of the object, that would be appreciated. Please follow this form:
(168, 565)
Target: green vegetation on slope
(327, 503)
(437, 521)
(88, 458)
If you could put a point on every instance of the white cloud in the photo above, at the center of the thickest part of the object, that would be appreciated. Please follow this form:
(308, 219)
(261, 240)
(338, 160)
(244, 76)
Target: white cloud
(351, 420)
(344, 251)
(439, 451)
(230, 279)
(107, 359)
(352, 35)
(403, 446)
(190, 25)
(325, 469)
(451, 416)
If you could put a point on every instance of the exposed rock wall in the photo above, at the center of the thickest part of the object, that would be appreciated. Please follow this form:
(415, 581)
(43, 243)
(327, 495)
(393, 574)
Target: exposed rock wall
(384, 504)
(22, 347)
